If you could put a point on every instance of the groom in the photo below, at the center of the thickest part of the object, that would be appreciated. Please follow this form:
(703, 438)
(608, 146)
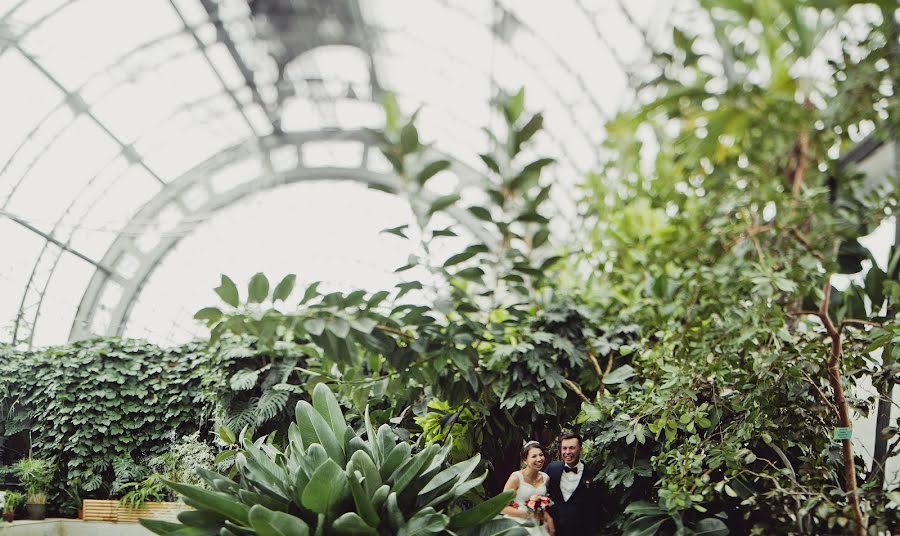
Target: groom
(571, 489)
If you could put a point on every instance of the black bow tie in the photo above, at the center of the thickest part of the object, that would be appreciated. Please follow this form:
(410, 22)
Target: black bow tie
(568, 469)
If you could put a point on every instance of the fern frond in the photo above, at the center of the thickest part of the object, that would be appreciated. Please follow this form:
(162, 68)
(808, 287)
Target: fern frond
(270, 404)
(244, 379)
(241, 415)
(280, 372)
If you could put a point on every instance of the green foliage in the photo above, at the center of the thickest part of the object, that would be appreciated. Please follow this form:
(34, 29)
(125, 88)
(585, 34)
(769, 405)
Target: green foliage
(329, 480)
(11, 501)
(481, 342)
(35, 475)
(93, 402)
(717, 239)
(180, 463)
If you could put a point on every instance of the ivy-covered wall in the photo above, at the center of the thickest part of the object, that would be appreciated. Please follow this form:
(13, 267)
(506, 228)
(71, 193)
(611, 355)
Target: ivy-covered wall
(86, 404)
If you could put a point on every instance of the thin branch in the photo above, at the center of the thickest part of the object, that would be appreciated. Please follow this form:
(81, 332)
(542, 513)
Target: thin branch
(857, 321)
(822, 396)
(800, 238)
(596, 365)
(394, 331)
(575, 389)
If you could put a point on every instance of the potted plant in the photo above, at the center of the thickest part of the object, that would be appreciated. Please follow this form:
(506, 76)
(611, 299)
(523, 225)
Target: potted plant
(73, 504)
(36, 476)
(11, 500)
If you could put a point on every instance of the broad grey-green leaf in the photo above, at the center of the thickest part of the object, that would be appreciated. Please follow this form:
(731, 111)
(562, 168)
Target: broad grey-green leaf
(221, 503)
(395, 516)
(380, 496)
(350, 524)
(360, 461)
(339, 327)
(269, 523)
(397, 456)
(362, 500)
(314, 326)
(405, 474)
(424, 522)
(314, 429)
(456, 472)
(482, 512)
(327, 405)
(325, 489)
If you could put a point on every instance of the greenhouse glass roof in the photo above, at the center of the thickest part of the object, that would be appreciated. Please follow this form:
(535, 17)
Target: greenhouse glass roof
(148, 146)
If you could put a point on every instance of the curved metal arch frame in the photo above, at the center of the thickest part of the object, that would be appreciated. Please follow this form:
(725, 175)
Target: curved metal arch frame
(125, 250)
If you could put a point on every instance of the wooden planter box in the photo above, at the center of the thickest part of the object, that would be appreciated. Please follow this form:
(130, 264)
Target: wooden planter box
(100, 510)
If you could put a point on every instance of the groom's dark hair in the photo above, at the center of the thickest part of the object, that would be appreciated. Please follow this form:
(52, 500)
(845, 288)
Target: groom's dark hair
(570, 435)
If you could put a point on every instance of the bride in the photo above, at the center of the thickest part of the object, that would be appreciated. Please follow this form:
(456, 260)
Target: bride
(527, 482)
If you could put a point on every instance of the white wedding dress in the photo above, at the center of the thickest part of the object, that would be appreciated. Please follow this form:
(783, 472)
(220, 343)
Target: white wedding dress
(524, 493)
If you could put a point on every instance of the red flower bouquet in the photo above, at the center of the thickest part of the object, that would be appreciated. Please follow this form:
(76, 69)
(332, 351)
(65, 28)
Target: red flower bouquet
(538, 504)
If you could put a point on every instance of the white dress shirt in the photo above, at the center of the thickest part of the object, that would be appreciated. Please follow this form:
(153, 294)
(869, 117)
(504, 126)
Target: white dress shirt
(569, 481)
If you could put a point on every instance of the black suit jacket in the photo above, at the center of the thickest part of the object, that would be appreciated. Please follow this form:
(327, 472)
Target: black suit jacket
(578, 515)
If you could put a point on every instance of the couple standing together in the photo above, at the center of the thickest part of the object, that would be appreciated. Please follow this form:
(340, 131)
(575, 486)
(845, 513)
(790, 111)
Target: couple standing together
(568, 484)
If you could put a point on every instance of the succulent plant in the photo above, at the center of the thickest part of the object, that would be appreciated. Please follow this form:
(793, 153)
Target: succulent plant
(329, 480)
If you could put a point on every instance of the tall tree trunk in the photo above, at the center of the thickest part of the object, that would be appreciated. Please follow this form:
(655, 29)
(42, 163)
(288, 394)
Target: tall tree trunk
(834, 375)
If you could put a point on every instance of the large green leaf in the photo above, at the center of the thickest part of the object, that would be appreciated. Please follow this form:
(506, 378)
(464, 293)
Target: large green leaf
(268, 523)
(314, 429)
(163, 527)
(284, 287)
(258, 288)
(481, 512)
(221, 503)
(360, 461)
(351, 524)
(228, 291)
(643, 526)
(362, 500)
(711, 526)
(424, 522)
(210, 314)
(325, 489)
(394, 515)
(455, 473)
(407, 472)
(644, 508)
(327, 405)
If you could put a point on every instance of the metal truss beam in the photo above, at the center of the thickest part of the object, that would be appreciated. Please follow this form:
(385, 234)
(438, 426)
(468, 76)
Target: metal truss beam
(125, 247)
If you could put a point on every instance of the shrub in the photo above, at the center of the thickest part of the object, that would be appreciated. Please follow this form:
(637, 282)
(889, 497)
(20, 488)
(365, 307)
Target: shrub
(328, 480)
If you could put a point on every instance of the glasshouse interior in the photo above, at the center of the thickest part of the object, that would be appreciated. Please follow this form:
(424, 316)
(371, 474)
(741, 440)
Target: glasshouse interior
(450, 267)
